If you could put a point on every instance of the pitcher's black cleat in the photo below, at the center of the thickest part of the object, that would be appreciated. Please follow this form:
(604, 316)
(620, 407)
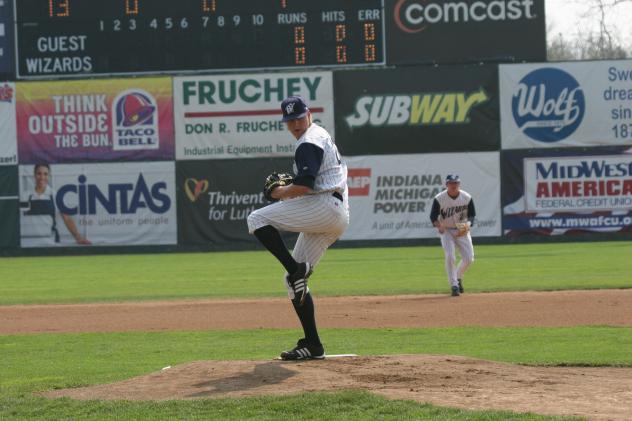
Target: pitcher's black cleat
(460, 286)
(304, 351)
(455, 291)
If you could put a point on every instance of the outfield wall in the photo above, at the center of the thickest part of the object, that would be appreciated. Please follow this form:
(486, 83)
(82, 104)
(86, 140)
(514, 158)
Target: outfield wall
(178, 163)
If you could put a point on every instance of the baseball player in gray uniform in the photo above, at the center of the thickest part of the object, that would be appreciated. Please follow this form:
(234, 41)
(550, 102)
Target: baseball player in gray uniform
(315, 205)
(453, 214)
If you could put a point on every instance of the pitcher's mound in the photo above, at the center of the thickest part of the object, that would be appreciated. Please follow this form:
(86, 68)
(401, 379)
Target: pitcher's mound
(597, 393)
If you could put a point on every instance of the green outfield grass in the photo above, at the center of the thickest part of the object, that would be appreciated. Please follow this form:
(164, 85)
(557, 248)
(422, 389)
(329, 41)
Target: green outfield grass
(368, 271)
(31, 363)
(348, 405)
(50, 361)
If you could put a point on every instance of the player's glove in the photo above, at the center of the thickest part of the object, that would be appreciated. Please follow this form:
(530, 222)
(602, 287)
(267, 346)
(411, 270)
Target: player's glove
(273, 181)
(463, 228)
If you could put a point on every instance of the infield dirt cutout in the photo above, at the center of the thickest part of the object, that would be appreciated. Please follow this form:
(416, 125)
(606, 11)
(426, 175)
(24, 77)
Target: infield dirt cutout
(598, 393)
(462, 382)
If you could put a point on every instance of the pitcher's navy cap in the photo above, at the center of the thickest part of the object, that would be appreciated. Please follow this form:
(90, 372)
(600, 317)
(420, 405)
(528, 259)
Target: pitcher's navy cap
(452, 178)
(294, 107)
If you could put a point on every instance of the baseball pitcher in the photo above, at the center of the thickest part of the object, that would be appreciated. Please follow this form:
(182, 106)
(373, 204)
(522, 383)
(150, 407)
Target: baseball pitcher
(453, 214)
(313, 202)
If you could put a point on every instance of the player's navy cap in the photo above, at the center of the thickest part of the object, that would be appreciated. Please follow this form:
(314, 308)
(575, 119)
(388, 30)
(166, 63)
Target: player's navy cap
(452, 178)
(294, 107)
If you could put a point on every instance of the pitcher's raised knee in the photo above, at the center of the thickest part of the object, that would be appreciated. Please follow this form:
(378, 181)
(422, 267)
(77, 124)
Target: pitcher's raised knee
(255, 221)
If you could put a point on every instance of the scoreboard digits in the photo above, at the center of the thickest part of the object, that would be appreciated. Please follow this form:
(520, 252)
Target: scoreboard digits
(88, 37)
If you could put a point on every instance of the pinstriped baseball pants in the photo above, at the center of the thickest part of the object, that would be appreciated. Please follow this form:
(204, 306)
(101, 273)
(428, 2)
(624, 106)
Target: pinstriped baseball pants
(320, 219)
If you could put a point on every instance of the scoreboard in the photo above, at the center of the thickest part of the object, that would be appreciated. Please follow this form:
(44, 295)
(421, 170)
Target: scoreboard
(103, 37)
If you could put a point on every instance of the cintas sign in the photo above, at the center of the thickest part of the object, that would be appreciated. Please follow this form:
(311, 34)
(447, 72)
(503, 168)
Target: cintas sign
(448, 31)
(109, 204)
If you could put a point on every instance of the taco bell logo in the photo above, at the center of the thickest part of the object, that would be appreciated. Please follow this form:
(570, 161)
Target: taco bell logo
(549, 105)
(135, 119)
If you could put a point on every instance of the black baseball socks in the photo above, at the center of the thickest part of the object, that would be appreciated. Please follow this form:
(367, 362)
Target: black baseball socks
(271, 239)
(306, 315)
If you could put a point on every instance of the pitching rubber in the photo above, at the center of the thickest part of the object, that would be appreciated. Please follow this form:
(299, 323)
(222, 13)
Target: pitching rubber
(327, 356)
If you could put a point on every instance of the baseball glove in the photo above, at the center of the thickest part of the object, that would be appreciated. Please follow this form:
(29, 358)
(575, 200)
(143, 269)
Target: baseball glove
(463, 228)
(273, 181)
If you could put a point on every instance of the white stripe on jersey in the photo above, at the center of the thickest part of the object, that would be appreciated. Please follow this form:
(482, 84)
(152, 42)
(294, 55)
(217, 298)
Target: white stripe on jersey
(452, 210)
(332, 175)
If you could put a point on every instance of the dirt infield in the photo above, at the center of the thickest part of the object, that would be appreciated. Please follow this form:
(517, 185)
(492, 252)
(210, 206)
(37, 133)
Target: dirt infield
(512, 309)
(596, 393)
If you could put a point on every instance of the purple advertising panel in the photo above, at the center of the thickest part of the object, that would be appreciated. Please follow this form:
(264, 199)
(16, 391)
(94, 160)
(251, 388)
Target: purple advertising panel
(571, 191)
(95, 120)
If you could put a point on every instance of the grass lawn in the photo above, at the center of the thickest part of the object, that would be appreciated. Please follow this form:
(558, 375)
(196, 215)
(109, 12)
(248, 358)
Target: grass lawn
(368, 271)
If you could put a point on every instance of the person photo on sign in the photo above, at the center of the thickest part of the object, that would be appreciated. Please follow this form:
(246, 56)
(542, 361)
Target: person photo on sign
(39, 216)
(315, 205)
(453, 214)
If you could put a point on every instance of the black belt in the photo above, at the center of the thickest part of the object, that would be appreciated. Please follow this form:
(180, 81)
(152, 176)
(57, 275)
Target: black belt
(337, 195)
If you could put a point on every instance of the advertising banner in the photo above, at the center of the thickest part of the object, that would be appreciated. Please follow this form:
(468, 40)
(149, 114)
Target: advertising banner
(216, 197)
(417, 110)
(98, 204)
(8, 136)
(95, 120)
(239, 116)
(390, 197)
(453, 31)
(9, 222)
(561, 191)
(549, 105)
